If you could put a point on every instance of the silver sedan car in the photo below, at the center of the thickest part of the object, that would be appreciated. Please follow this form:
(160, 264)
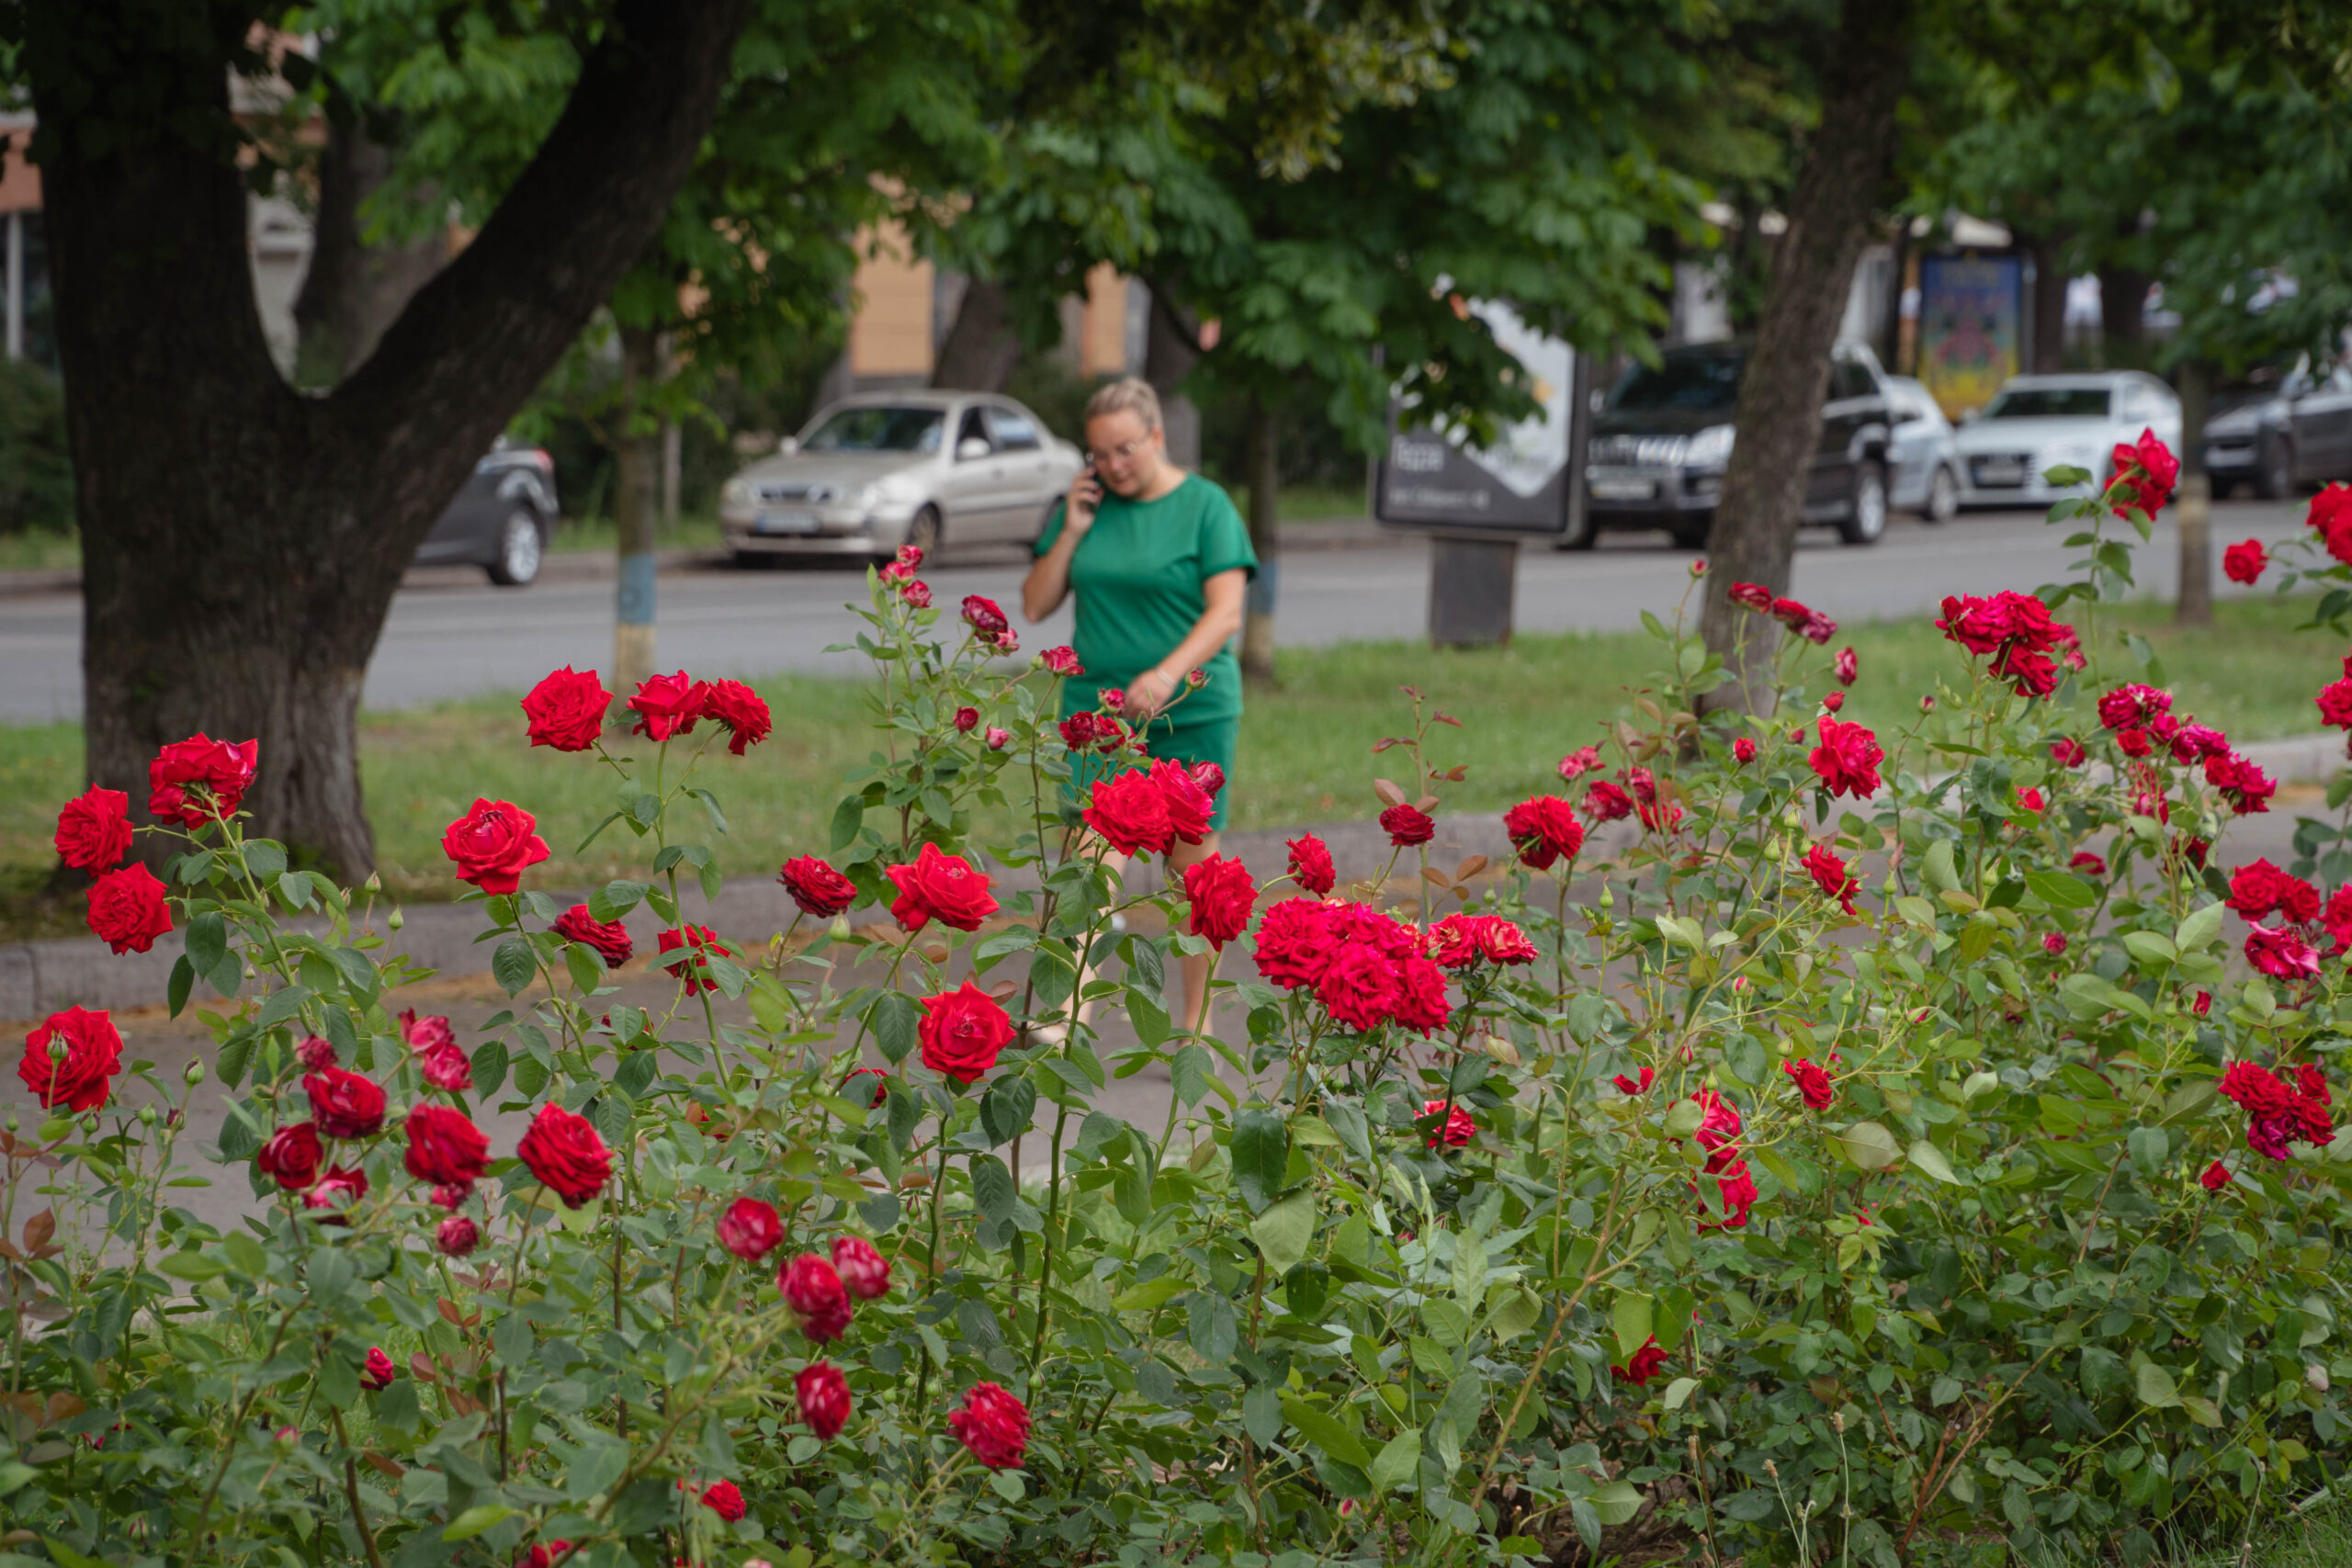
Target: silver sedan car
(873, 472)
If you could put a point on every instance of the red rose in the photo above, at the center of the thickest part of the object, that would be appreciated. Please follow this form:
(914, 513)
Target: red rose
(813, 1290)
(865, 1271)
(1641, 1366)
(1628, 1086)
(345, 1105)
(725, 1499)
(1458, 1128)
(545, 1555)
(1221, 894)
(1296, 942)
(1833, 702)
(1062, 661)
(456, 1237)
(940, 887)
(610, 940)
(667, 705)
(1463, 939)
(967, 720)
(566, 1153)
(738, 710)
(993, 1425)
(2146, 469)
(1847, 760)
(1743, 750)
(191, 780)
(2132, 704)
(379, 1373)
(314, 1053)
(1736, 1188)
(1210, 777)
(998, 738)
(1359, 986)
(566, 710)
(1422, 1003)
(1832, 876)
(2053, 943)
(1408, 825)
(961, 1032)
(291, 1156)
(492, 844)
(2337, 917)
(337, 1190)
(2068, 752)
(1310, 865)
(750, 1229)
(984, 617)
(2257, 890)
(2331, 515)
(823, 1394)
(1189, 806)
(1131, 813)
(1847, 666)
(693, 966)
(2203, 1004)
(1578, 762)
(452, 1195)
(2216, 1176)
(1604, 802)
(2031, 800)
(915, 594)
(2281, 954)
(2245, 786)
(444, 1146)
(2087, 864)
(2243, 562)
(1751, 595)
(129, 910)
(94, 829)
(817, 888)
(1812, 1083)
(2335, 702)
(429, 1033)
(1545, 829)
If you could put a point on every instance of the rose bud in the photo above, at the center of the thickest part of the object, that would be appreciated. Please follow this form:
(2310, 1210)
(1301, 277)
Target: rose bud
(998, 738)
(824, 1399)
(750, 1229)
(813, 1290)
(967, 720)
(865, 1271)
(317, 1055)
(456, 1237)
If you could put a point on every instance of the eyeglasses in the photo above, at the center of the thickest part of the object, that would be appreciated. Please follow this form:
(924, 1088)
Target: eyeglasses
(1123, 451)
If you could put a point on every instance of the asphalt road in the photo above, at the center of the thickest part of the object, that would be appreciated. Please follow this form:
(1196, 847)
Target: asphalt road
(463, 639)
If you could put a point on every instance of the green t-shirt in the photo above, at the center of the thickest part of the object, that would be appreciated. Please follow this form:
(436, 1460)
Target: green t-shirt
(1138, 576)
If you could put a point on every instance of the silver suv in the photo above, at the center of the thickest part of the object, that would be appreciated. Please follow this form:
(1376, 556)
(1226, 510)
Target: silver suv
(873, 472)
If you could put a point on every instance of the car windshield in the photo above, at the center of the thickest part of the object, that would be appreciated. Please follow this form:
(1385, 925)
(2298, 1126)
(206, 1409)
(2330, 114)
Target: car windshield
(2049, 403)
(879, 430)
(1681, 381)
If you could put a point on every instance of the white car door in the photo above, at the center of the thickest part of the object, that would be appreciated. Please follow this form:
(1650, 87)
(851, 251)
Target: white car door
(973, 495)
(1032, 479)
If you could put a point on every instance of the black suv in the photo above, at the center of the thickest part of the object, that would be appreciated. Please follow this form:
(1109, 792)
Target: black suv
(1663, 436)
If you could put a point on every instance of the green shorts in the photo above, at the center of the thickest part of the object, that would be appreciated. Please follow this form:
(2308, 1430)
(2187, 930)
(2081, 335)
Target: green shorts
(1211, 740)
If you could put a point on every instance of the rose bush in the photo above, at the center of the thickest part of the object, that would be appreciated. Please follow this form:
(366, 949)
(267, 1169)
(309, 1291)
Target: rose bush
(1808, 1143)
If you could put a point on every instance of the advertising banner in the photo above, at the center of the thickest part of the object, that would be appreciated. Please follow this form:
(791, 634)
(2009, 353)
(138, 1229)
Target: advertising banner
(1520, 484)
(1971, 311)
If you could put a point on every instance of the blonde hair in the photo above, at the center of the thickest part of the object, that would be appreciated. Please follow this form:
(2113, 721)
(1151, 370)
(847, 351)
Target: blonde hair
(1130, 394)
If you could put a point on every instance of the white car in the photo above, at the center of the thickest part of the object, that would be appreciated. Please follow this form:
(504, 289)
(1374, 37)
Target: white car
(1921, 451)
(2038, 423)
(880, 471)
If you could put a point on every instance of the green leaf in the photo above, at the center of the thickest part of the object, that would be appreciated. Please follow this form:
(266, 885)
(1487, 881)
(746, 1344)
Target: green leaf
(1211, 1326)
(512, 965)
(1284, 1230)
(2154, 1386)
(1936, 867)
(992, 1189)
(1747, 1061)
(1325, 1432)
(2062, 889)
(1630, 1315)
(1617, 1502)
(475, 1520)
(1869, 1145)
(191, 1266)
(1150, 1018)
(182, 981)
(1150, 1295)
(895, 1021)
(1007, 1107)
(2198, 928)
(1260, 1154)
(848, 816)
(1925, 1157)
(613, 899)
(1684, 1119)
(583, 964)
(1679, 1391)
(2150, 1148)
(1398, 1461)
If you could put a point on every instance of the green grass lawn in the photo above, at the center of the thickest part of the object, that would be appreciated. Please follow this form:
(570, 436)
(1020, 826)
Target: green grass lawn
(1305, 754)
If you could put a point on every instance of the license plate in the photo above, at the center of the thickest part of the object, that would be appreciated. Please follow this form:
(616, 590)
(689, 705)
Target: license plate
(786, 523)
(1999, 471)
(1623, 488)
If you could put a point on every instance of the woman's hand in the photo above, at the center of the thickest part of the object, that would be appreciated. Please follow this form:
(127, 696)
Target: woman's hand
(1078, 511)
(1150, 693)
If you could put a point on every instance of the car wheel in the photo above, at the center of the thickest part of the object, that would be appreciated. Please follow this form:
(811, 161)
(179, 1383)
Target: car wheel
(1865, 517)
(924, 533)
(2275, 480)
(1693, 534)
(1943, 496)
(522, 549)
(754, 560)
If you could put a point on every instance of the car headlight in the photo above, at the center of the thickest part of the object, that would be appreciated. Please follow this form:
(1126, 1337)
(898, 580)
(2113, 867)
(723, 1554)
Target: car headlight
(869, 498)
(735, 492)
(1711, 449)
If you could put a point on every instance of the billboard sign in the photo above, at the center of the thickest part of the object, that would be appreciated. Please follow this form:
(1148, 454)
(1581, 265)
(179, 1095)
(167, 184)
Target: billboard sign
(1519, 484)
(1971, 311)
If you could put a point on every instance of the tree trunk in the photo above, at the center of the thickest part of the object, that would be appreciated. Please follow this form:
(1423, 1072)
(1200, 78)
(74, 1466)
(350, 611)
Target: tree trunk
(982, 350)
(1265, 485)
(240, 552)
(1778, 419)
(1171, 347)
(353, 291)
(637, 506)
(2046, 354)
(2124, 304)
(2193, 508)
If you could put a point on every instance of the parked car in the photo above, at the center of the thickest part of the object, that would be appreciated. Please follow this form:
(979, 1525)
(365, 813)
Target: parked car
(1923, 459)
(1664, 435)
(2035, 423)
(500, 520)
(880, 471)
(2279, 429)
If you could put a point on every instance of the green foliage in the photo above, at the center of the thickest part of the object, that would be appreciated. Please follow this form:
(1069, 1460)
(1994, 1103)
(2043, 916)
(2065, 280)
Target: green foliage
(36, 471)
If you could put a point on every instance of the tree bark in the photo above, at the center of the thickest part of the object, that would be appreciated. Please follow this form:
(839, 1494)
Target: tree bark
(2123, 303)
(241, 553)
(1171, 347)
(1779, 418)
(982, 350)
(2046, 354)
(637, 506)
(2193, 508)
(353, 289)
(1265, 486)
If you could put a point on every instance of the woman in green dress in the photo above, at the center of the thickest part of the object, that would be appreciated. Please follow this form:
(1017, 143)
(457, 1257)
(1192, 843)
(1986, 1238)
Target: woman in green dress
(1158, 559)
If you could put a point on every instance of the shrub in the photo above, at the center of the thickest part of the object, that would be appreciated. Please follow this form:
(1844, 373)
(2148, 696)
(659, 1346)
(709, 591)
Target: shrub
(1882, 1162)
